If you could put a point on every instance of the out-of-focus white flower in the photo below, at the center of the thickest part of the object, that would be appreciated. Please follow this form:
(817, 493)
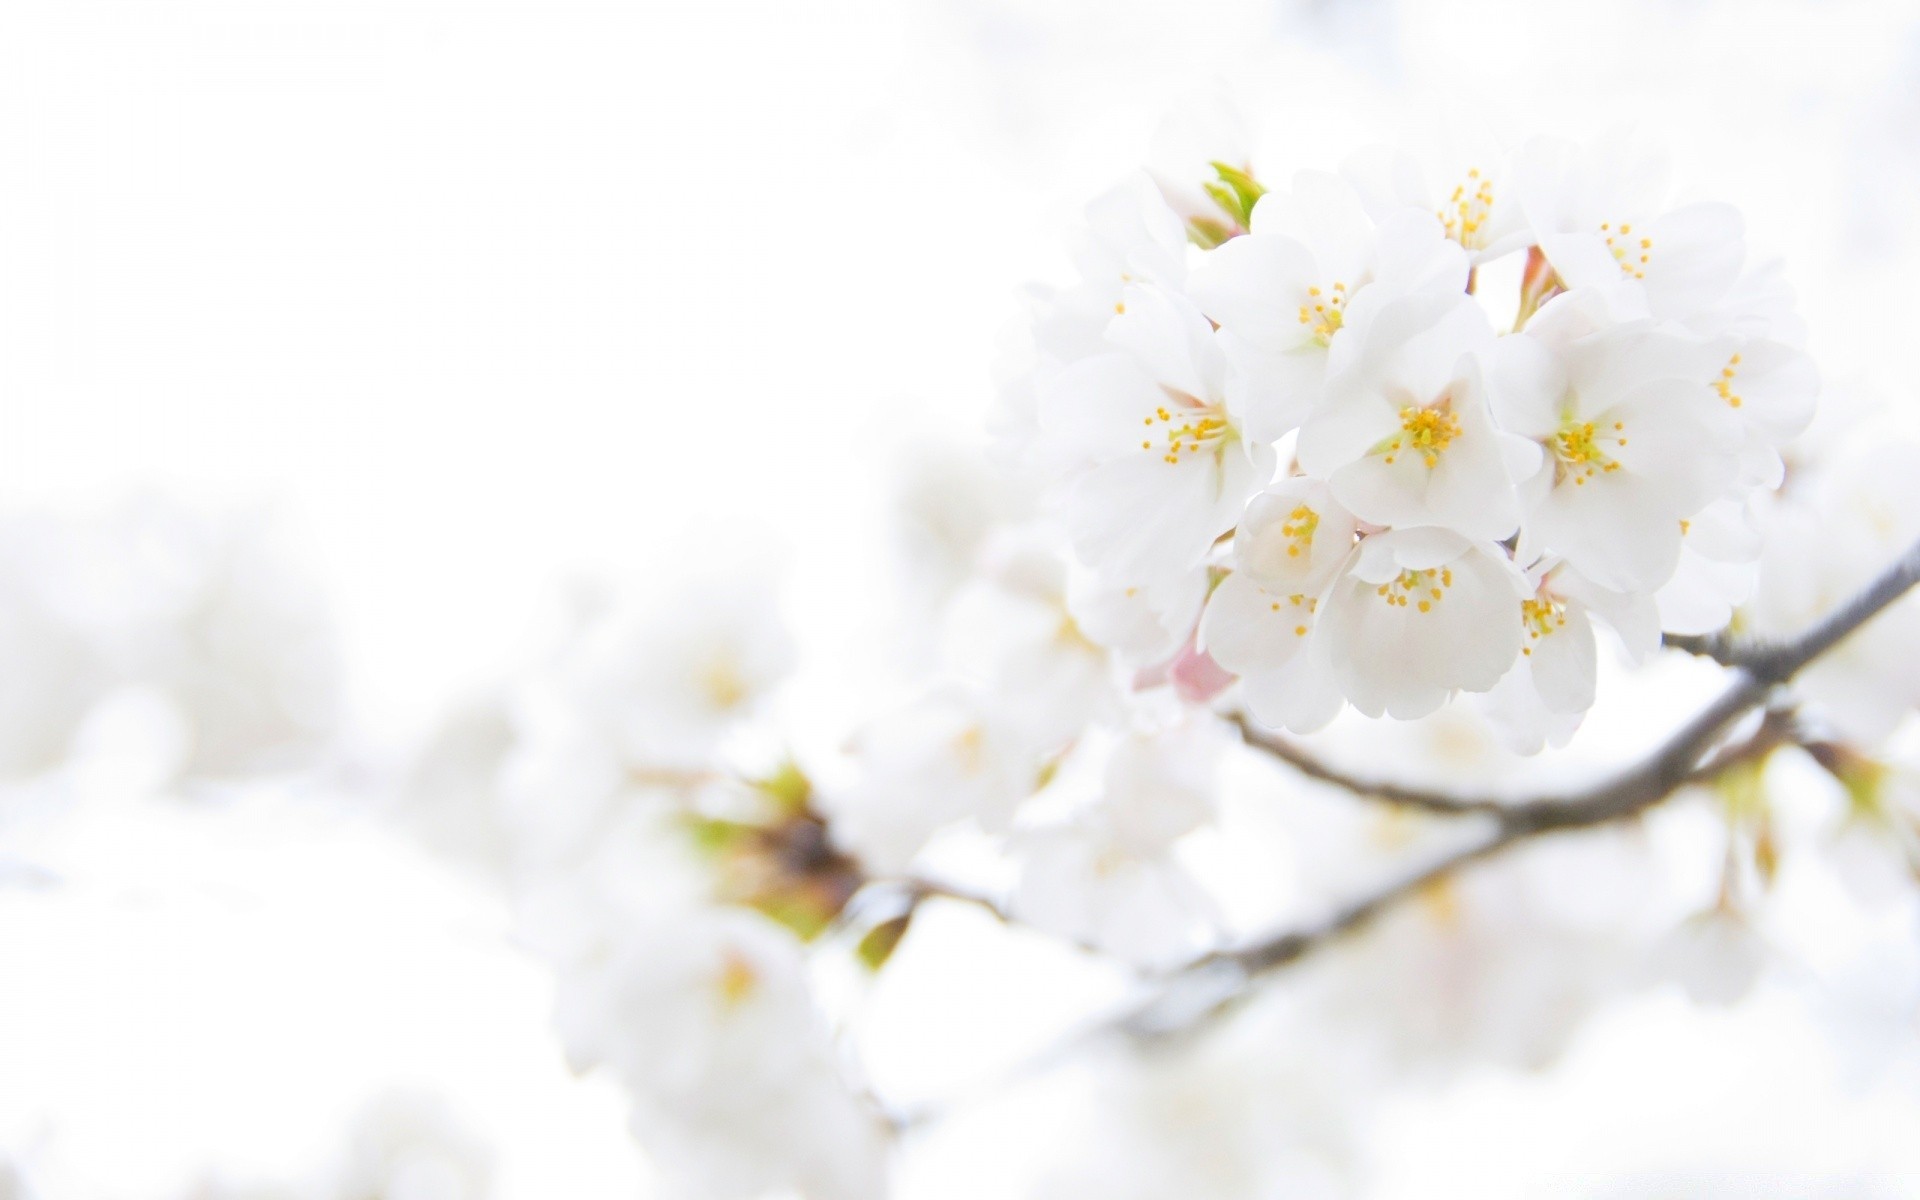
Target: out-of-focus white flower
(1501, 964)
(1420, 614)
(1107, 876)
(1260, 1107)
(1167, 467)
(1142, 626)
(666, 684)
(1716, 956)
(1869, 1001)
(947, 504)
(1200, 131)
(705, 1015)
(1405, 437)
(411, 1146)
(451, 800)
(1604, 215)
(1131, 237)
(1285, 295)
(1011, 632)
(1463, 179)
(1824, 542)
(1085, 882)
(202, 613)
(949, 756)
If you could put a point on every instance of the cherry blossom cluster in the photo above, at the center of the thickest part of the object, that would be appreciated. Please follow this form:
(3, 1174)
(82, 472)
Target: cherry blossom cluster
(1414, 429)
(1351, 443)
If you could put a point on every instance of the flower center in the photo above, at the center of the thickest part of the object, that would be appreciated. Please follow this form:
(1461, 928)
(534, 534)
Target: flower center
(1541, 615)
(737, 980)
(1466, 211)
(1631, 252)
(1299, 529)
(969, 748)
(1188, 427)
(1325, 311)
(1724, 385)
(1426, 429)
(725, 689)
(1577, 453)
(1421, 589)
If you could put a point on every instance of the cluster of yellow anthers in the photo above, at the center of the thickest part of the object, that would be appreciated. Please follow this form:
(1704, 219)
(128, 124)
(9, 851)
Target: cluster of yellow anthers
(1427, 428)
(1631, 256)
(1541, 615)
(1577, 452)
(1325, 311)
(1299, 601)
(1724, 384)
(1417, 588)
(1468, 209)
(1202, 429)
(1299, 529)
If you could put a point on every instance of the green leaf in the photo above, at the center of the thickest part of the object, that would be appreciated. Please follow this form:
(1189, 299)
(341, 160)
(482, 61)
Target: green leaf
(711, 835)
(878, 944)
(797, 913)
(788, 787)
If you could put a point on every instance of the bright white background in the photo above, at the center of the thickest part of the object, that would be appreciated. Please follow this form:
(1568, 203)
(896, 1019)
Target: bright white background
(486, 296)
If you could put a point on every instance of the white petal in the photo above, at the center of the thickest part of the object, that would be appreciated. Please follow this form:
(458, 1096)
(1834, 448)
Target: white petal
(1247, 628)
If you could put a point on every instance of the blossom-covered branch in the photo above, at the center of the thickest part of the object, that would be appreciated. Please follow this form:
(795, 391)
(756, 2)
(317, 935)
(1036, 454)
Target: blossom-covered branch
(1681, 760)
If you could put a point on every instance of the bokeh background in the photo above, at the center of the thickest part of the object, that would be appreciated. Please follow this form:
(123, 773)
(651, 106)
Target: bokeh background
(461, 306)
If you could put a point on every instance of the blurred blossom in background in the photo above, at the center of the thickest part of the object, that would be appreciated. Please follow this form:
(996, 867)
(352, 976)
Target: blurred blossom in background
(411, 415)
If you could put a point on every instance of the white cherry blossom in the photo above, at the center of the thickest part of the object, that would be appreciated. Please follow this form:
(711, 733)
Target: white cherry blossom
(1293, 541)
(1605, 216)
(666, 682)
(1824, 543)
(1200, 131)
(1405, 437)
(1632, 442)
(1463, 177)
(1284, 294)
(1011, 632)
(1420, 614)
(1167, 466)
(1552, 685)
(706, 1016)
(948, 756)
(1719, 553)
(1141, 624)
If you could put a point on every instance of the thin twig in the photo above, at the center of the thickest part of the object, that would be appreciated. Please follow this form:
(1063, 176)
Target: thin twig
(1719, 647)
(1300, 760)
